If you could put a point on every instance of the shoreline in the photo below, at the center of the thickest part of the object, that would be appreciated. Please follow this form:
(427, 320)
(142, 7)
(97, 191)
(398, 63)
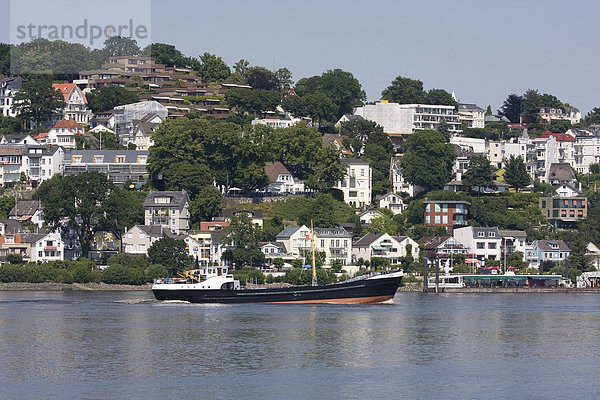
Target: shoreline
(57, 287)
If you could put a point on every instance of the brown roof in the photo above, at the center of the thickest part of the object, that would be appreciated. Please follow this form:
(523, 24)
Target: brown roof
(68, 123)
(273, 169)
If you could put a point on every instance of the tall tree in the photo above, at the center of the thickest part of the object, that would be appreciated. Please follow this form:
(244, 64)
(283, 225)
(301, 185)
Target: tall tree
(76, 202)
(109, 97)
(328, 169)
(243, 233)
(284, 77)
(207, 204)
(262, 78)
(427, 159)
(511, 108)
(121, 46)
(515, 173)
(593, 117)
(340, 86)
(37, 100)
(404, 91)
(319, 106)
(578, 258)
(170, 253)
(123, 209)
(213, 68)
(440, 97)
(168, 55)
(479, 174)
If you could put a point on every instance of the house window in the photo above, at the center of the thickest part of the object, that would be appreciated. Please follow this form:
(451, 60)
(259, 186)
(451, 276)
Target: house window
(480, 234)
(481, 245)
(98, 159)
(437, 219)
(119, 159)
(427, 219)
(445, 219)
(142, 159)
(76, 160)
(491, 245)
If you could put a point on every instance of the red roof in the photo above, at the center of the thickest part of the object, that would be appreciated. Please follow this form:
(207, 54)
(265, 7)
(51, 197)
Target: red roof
(66, 88)
(68, 123)
(561, 137)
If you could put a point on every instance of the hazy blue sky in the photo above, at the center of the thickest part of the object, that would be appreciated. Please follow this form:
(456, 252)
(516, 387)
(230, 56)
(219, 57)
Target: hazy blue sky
(483, 50)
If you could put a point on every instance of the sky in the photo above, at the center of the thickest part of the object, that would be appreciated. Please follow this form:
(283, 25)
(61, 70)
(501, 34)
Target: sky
(482, 50)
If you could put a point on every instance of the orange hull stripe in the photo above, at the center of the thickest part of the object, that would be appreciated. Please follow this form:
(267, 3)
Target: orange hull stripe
(351, 300)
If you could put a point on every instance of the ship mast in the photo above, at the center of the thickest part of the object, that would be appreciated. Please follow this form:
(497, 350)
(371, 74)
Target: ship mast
(314, 265)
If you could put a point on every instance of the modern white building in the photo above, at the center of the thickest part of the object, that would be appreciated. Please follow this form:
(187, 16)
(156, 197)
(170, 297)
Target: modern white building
(484, 243)
(409, 118)
(277, 122)
(357, 183)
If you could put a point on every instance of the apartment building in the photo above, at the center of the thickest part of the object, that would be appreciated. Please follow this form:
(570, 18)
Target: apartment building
(169, 210)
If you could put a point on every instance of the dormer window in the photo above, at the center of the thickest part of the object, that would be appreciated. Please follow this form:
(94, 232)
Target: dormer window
(491, 234)
(76, 160)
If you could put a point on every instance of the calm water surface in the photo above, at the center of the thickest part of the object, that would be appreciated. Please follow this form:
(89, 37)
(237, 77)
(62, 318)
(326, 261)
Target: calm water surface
(100, 345)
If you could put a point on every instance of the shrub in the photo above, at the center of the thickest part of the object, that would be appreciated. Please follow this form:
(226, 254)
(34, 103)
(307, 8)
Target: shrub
(122, 275)
(155, 271)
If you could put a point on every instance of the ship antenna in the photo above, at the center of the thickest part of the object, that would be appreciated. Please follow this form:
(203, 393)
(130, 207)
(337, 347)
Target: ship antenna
(314, 265)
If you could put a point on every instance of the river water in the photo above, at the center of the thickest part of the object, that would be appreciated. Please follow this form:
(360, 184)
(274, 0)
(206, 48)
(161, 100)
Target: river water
(106, 345)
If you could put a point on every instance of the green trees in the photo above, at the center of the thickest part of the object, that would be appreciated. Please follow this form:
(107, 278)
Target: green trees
(592, 117)
(207, 204)
(516, 173)
(78, 199)
(342, 88)
(327, 169)
(319, 106)
(121, 46)
(325, 212)
(171, 254)
(244, 235)
(108, 97)
(262, 79)
(6, 204)
(479, 174)
(218, 146)
(169, 56)
(37, 100)
(410, 91)
(427, 159)
(404, 91)
(213, 68)
(253, 101)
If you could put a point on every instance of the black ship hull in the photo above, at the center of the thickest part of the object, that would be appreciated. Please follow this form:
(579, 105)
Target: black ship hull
(362, 291)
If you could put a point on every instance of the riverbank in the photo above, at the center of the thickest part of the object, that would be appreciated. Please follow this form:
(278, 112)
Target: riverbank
(50, 286)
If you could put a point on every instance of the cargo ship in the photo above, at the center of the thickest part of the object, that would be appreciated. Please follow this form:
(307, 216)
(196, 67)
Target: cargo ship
(216, 285)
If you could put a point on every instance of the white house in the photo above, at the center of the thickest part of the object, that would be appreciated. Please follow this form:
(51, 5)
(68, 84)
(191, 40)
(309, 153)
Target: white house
(335, 242)
(392, 202)
(566, 190)
(399, 183)
(513, 241)
(143, 129)
(377, 244)
(62, 134)
(255, 215)
(206, 247)
(8, 88)
(471, 115)
(168, 209)
(28, 211)
(75, 103)
(138, 239)
(367, 216)
(484, 243)
(48, 247)
(281, 180)
(356, 185)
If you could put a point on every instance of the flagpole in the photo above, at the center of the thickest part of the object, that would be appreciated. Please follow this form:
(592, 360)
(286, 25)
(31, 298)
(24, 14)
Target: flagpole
(314, 265)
